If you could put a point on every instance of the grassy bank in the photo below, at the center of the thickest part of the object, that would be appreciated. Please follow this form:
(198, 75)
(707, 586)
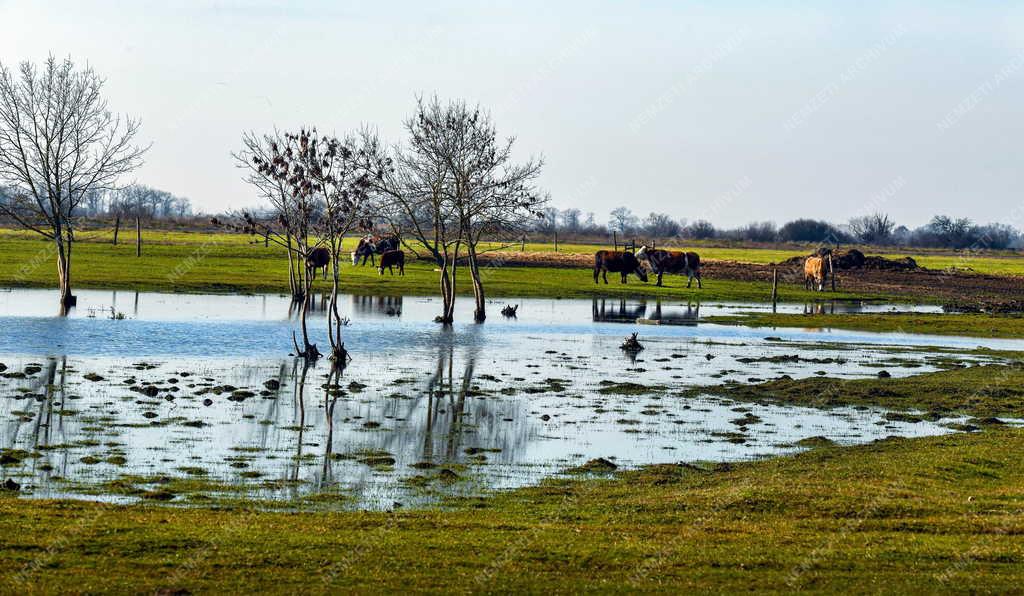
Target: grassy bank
(996, 263)
(196, 262)
(897, 516)
(979, 391)
(973, 325)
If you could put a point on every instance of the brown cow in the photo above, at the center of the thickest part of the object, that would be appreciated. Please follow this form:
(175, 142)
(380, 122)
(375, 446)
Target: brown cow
(391, 258)
(316, 259)
(622, 263)
(815, 272)
(664, 261)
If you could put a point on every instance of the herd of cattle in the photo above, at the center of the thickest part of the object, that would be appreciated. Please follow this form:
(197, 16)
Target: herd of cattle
(368, 248)
(658, 261)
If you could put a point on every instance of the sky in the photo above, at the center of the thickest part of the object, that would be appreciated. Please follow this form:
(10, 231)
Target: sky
(727, 111)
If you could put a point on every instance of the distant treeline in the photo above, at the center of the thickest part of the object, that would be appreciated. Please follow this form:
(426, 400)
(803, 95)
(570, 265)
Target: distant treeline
(878, 229)
(137, 200)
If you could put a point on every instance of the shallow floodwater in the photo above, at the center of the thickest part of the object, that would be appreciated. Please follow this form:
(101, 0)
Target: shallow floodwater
(200, 387)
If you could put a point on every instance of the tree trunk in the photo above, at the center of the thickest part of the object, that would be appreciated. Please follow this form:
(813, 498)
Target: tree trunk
(334, 322)
(309, 351)
(67, 299)
(138, 237)
(293, 281)
(117, 227)
(449, 269)
(480, 312)
(446, 293)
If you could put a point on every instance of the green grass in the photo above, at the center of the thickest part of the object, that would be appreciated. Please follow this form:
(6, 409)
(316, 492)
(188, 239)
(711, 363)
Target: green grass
(899, 516)
(973, 325)
(980, 391)
(201, 262)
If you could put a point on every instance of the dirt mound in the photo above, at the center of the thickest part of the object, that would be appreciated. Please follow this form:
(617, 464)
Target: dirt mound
(852, 259)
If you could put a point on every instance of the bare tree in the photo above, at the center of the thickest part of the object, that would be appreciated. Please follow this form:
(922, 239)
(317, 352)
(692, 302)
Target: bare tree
(490, 194)
(320, 188)
(414, 202)
(291, 218)
(622, 220)
(661, 225)
(571, 220)
(453, 186)
(285, 161)
(344, 175)
(875, 228)
(59, 142)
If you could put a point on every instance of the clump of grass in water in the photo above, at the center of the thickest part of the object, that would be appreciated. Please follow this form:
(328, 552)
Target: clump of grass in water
(628, 388)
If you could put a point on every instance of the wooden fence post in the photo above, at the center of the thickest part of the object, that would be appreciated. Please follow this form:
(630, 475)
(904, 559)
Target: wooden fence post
(615, 240)
(775, 287)
(556, 240)
(117, 227)
(138, 237)
(832, 272)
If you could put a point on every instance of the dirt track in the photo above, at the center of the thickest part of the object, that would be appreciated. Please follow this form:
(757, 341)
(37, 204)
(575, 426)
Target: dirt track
(935, 285)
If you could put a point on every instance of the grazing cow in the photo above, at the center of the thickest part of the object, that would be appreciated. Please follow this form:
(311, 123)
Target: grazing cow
(318, 258)
(370, 245)
(665, 261)
(622, 263)
(391, 258)
(815, 273)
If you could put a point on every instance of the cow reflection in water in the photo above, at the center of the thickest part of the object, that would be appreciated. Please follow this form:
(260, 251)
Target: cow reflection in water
(317, 303)
(374, 306)
(832, 307)
(675, 314)
(618, 311)
(634, 311)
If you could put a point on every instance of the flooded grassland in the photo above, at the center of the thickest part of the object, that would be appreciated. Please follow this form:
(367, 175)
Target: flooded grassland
(193, 400)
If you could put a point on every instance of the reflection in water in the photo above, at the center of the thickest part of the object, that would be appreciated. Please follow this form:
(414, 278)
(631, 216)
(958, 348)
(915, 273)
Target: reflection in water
(379, 434)
(618, 311)
(675, 315)
(498, 405)
(644, 311)
(372, 306)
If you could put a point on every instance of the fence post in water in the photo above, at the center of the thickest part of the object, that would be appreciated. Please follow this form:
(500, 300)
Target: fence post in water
(832, 272)
(775, 288)
(138, 237)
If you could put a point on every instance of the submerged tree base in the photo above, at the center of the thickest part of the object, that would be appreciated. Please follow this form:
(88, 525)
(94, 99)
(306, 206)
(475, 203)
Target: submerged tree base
(310, 352)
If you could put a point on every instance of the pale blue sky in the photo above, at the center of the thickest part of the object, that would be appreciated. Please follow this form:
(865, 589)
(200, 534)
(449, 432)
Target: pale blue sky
(729, 111)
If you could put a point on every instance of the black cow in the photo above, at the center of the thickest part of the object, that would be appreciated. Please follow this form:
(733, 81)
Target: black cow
(373, 245)
(316, 259)
(622, 263)
(391, 258)
(665, 261)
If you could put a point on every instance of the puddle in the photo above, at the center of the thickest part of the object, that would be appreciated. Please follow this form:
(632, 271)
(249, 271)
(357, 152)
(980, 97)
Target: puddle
(192, 399)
